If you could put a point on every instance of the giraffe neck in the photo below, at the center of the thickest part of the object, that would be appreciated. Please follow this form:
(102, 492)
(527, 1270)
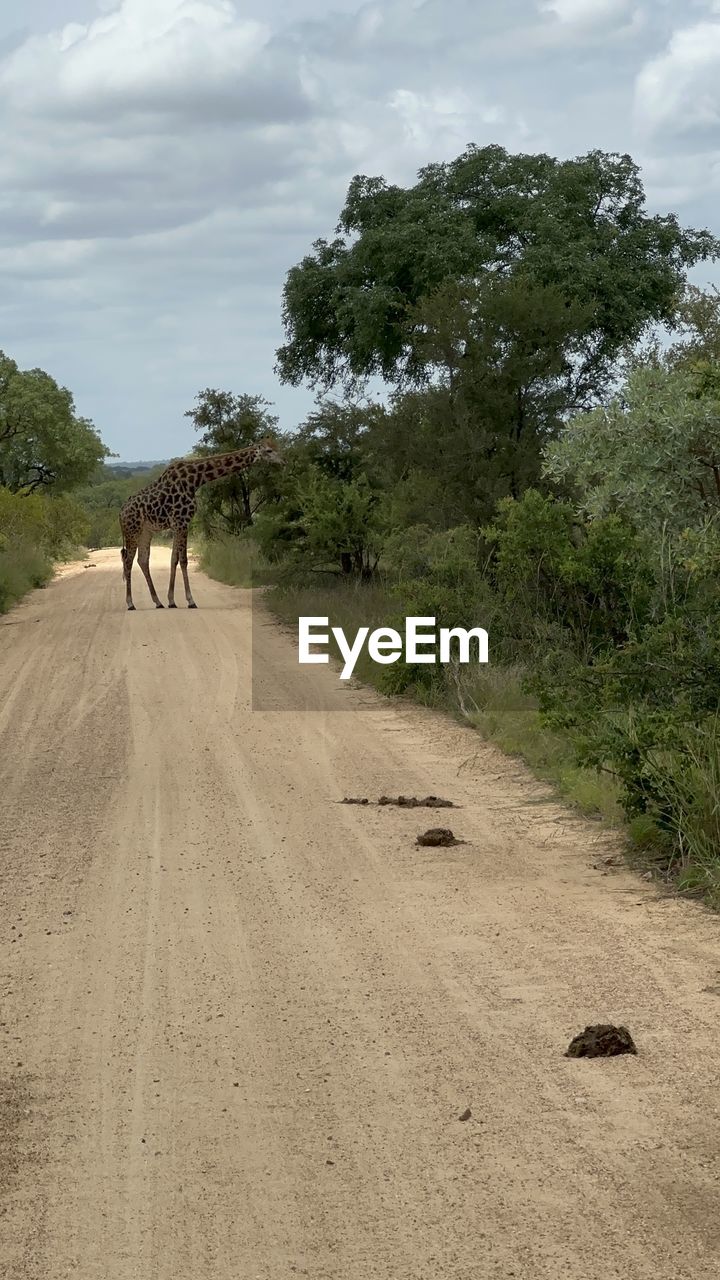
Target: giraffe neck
(204, 470)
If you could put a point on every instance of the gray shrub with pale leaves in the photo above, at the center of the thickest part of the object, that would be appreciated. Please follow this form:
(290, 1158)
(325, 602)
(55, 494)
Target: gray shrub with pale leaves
(652, 454)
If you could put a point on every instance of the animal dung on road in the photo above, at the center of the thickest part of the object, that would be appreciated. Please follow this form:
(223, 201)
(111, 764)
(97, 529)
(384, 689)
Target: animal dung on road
(601, 1041)
(404, 802)
(412, 802)
(438, 837)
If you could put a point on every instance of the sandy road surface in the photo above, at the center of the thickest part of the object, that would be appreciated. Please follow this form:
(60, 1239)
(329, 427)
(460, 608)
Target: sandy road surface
(240, 1021)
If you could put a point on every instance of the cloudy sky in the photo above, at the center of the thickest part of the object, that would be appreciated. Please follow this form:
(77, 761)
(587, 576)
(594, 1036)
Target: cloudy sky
(164, 162)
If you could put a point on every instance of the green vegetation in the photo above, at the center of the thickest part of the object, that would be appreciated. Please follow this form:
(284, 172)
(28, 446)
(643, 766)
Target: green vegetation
(564, 248)
(57, 493)
(542, 468)
(35, 530)
(237, 561)
(46, 451)
(227, 423)
(103, 496)
(44, 445)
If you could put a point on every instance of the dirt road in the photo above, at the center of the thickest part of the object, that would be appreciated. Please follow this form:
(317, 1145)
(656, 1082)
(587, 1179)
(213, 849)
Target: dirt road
(240, 1021)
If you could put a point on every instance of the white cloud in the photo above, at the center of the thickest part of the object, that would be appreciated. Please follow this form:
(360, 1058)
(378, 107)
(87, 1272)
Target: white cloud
(677, 94)
(146, 118)
(436, 123)
(587, 12)
(145, 56)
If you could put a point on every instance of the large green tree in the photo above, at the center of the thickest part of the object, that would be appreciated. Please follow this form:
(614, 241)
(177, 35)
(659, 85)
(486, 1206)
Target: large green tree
(43, 442)
(576, 227)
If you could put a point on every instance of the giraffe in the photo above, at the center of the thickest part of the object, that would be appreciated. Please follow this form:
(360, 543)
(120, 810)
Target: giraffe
(169, 503)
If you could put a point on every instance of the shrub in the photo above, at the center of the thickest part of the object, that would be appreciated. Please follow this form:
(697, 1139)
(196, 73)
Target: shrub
(35, 529)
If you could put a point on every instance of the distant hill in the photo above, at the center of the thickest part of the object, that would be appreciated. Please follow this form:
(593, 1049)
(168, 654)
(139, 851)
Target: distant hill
(131, 468)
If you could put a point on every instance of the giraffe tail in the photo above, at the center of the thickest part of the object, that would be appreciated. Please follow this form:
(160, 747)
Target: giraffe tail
(123, 553)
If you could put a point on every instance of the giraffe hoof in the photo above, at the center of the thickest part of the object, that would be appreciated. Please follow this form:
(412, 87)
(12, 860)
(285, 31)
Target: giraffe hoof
(192, 606)
(172, 606)
(159, 605)
(131, 608)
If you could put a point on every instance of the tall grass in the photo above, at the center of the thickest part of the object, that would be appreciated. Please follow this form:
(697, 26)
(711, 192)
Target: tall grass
(35, 530)
(236, 561)
(22, 567)
(688, 780)
(492, 700)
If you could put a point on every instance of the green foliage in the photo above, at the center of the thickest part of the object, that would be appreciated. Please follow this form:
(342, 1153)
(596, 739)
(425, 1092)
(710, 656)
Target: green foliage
(636, 701)
(22, 567)
(45, 451)
(103, 497)
(501, 356)
(55, 525)
(495, 295)
(338, 439)
(229, 422)
(326, 515)
(66, 526)
(698, 331)
(339, 522)
(43, 443)
(237, 561)
(576, 226)
(644, 704)
(586, 582)
(35, 529)
(652, 453)
(336, 524)
(435, 575)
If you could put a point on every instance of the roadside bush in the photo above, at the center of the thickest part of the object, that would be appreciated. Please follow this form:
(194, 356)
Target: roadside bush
(56, 525)
(35, 529)
(22, 567)
(589, 583)
(434, 575)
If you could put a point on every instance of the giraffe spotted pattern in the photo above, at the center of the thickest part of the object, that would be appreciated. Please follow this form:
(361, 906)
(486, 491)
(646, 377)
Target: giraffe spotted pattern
(168, 504)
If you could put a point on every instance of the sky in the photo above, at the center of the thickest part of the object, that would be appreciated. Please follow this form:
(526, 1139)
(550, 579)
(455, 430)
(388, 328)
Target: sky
(165, 162)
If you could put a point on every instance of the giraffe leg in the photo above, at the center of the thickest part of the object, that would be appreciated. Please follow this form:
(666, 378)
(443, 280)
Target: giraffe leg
(182, 550)
(173, 569)
(144, 562)
(128, 555)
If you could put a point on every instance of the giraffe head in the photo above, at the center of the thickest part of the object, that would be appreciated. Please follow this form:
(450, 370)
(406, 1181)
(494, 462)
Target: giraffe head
(267, 451)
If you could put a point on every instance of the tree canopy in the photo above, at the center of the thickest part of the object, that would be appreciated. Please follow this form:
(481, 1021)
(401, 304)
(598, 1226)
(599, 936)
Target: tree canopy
(43, 443)
(576, 227)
